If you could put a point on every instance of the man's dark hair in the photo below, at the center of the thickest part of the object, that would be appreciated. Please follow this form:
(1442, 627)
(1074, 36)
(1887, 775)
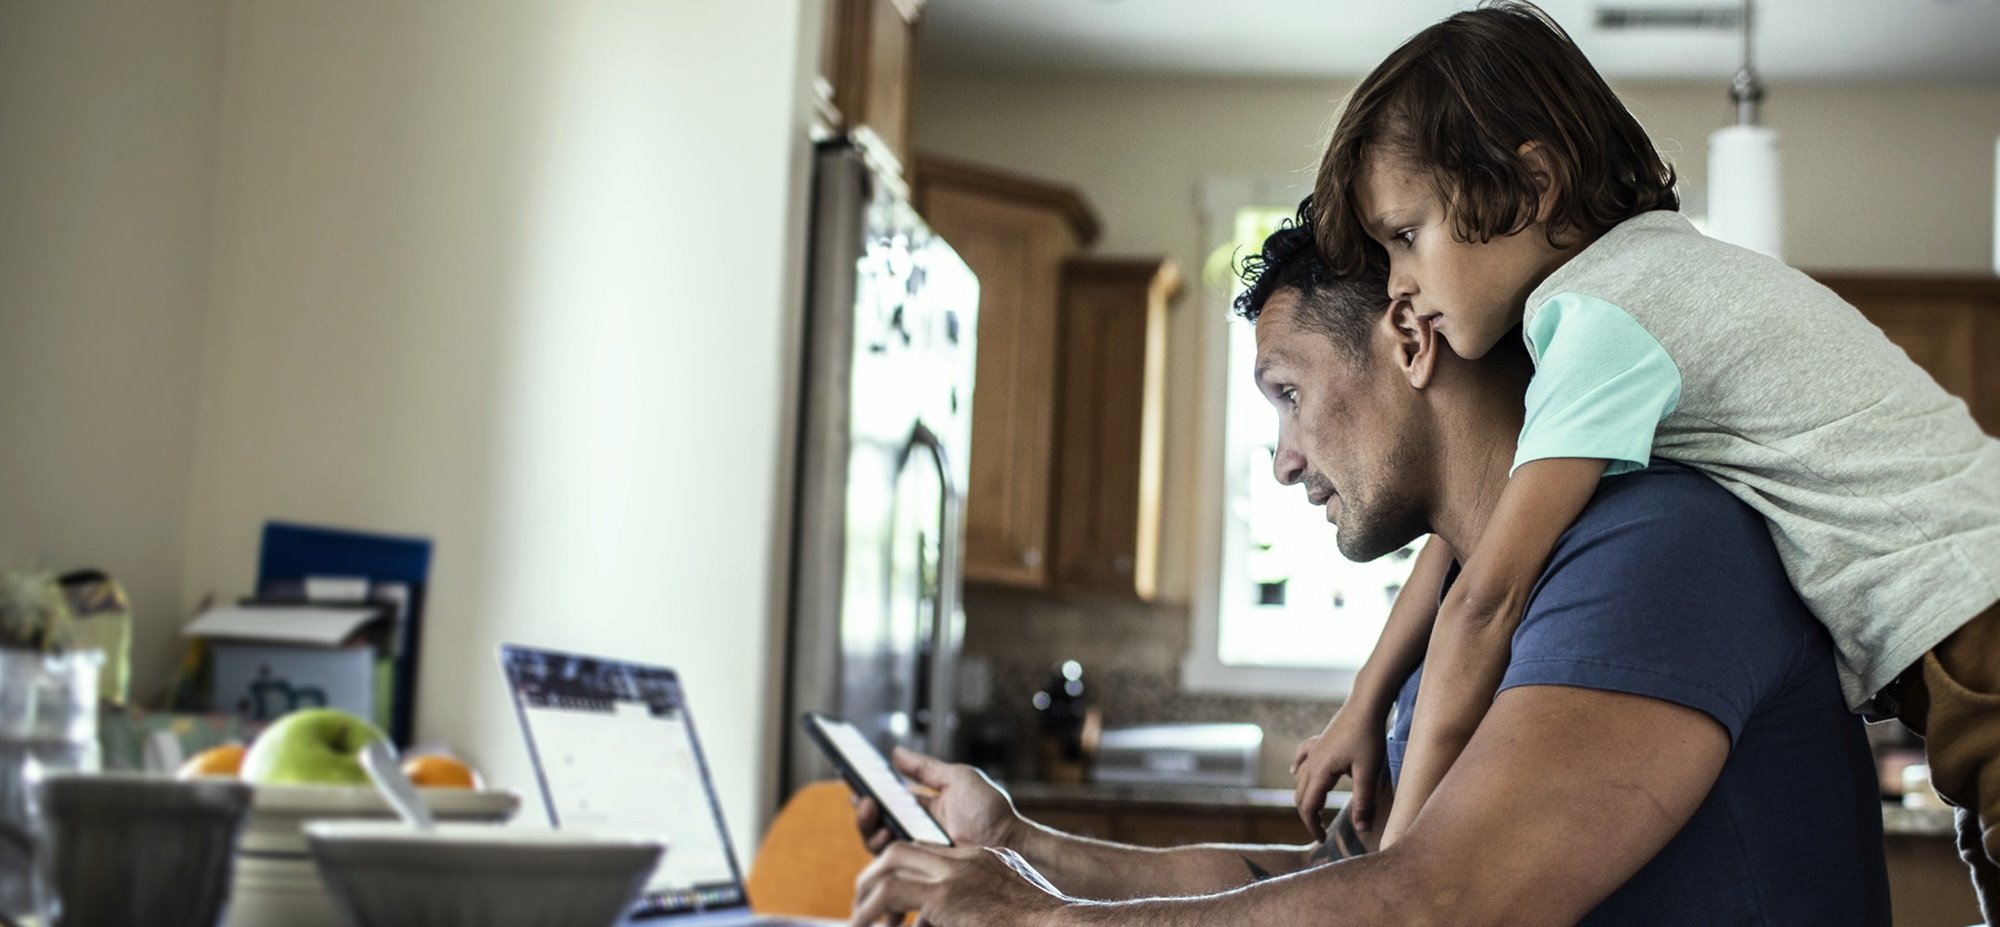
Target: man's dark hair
(1343, 308)
(1457, 101)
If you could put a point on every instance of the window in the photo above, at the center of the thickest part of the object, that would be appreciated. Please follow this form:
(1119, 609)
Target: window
(1281, 612)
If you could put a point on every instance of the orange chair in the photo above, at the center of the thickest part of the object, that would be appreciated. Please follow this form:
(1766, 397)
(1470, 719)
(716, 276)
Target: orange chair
(810, 857)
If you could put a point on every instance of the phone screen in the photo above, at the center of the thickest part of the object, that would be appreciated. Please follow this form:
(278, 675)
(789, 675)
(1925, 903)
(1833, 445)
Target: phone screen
(859, 759)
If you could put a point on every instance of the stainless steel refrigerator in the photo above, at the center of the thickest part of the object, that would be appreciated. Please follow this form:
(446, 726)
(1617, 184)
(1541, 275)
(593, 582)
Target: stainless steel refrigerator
(886, 428)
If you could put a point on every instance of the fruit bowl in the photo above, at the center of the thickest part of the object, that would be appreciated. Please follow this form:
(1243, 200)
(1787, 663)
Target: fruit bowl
(275, 879)
(385, 874)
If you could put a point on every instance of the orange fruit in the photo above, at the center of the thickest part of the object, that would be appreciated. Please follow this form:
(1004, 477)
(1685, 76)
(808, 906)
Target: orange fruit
(223, 761)
(434, 771)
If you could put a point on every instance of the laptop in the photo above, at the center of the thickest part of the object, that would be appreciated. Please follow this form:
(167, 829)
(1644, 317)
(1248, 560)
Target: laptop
(615, 750)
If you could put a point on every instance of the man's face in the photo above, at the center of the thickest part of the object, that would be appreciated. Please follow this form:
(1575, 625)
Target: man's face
(1472, 292)
(1344, 431)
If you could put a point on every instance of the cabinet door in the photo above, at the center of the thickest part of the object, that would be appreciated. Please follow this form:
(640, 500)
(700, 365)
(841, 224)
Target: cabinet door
(1109, 423)
(1278, 827)
(1177, 829)
(1092, 824)
(1927, 884)
(1017, 251)
(1938, 338)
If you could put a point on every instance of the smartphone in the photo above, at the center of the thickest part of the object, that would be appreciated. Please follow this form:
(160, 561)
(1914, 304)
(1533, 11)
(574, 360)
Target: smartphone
(868, 773)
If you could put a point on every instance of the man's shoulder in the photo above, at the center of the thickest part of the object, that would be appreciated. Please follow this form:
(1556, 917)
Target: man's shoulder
(1667, 544)
(1661, 503)
(1668, 586)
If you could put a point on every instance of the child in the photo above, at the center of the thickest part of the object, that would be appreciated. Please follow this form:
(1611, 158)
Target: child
(1509, 187)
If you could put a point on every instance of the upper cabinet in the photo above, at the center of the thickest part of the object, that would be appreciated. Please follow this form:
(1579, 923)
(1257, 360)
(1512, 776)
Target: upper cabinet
(1110, 395)
(1018, 235)
(867, 69)
(1949, 325)
(1067, 409)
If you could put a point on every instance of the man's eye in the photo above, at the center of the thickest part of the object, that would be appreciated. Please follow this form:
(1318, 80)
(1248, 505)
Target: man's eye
(1289, 395)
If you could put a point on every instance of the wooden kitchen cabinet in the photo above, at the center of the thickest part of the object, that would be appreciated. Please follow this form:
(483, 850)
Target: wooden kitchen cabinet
(1018, 236)
(867, 70)
(1928, 885)
(1949, 325)
(1111, 345)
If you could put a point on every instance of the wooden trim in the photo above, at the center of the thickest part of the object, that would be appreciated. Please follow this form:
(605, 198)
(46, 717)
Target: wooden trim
(1851, 285)
(1005, 186)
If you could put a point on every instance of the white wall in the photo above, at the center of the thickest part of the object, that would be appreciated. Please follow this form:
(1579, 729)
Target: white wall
(520, 278)
(108, 127)
(1876, 177)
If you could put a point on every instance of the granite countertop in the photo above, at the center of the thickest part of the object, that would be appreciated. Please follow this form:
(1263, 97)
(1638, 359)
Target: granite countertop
(1896, 819)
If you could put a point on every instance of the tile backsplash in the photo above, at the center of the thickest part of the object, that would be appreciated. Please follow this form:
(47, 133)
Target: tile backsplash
(1131, 654)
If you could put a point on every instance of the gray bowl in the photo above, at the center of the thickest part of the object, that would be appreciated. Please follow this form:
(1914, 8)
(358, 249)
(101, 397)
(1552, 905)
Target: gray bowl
(384, 874)
(130, 849)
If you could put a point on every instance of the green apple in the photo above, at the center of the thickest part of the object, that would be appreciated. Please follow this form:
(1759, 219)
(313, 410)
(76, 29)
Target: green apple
(316, 746)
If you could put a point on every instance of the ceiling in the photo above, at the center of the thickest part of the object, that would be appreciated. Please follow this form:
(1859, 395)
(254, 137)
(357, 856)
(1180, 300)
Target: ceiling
(1923, 40)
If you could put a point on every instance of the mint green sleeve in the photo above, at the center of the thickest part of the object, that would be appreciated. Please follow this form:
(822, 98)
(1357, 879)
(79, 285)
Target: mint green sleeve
(1602, 384)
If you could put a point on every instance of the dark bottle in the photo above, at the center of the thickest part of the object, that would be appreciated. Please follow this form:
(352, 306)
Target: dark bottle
(1063, 710)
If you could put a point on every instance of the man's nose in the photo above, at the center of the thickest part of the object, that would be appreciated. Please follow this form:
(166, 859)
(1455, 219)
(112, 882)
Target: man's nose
(1287, 464)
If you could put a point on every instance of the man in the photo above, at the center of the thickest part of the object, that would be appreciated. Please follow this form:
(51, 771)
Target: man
(1669, 745)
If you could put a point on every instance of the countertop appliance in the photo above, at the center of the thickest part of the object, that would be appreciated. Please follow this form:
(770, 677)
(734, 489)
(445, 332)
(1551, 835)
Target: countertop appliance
(1180, 754)
(885, 430)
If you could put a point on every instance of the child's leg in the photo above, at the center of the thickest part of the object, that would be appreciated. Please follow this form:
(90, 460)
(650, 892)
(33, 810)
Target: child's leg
(1960, 713)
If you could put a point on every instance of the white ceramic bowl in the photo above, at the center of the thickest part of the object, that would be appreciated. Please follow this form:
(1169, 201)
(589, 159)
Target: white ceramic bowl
(473, 875)
(275, 880)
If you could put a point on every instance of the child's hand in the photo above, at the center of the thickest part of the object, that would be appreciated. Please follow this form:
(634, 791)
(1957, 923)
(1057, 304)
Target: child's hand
(1351, 744)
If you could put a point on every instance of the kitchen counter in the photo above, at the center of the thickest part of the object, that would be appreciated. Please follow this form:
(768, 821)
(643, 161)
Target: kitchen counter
(1896, 819)
(1190, 797)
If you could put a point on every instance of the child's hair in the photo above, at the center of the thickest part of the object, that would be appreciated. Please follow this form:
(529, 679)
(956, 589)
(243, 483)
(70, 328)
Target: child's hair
(1457, 101)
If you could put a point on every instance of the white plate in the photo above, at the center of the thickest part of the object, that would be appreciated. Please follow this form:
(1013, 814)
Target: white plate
(336, 801)
(277, 812)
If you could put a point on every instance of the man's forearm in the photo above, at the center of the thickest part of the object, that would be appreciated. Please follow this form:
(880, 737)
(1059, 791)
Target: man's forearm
(1105, 871)
(1097, 869)
(1372, 890)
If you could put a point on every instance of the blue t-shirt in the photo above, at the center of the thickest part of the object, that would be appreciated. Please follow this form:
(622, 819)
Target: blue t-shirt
(1670, 588)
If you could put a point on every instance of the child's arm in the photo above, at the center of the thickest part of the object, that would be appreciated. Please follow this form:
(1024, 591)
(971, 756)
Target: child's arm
(1473, 636)
(1352, 742)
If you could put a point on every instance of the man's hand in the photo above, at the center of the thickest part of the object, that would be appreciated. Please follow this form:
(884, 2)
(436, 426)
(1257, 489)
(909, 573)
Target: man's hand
(974, 812)
(953, 887)
(1352, 744)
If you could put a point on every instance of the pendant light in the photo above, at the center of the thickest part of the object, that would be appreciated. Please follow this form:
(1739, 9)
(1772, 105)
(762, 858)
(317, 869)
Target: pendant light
(1743, 194)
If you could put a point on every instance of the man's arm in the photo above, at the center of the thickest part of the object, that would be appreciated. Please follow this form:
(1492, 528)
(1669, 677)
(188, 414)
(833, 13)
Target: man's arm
(977, 814)
(1101, 870)
(1562, 795)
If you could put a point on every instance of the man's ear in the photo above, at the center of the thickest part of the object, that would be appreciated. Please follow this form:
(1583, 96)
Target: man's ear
(1548, 181)
(1417, 344)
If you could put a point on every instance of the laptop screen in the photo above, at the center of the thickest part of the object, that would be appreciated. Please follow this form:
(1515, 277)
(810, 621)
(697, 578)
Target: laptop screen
(617, 753)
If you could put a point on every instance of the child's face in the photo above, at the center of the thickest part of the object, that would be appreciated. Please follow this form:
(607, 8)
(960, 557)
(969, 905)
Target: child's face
(1472, 292)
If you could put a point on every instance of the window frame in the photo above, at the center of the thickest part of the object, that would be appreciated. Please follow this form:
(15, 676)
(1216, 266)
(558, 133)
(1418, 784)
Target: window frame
(1202, 669)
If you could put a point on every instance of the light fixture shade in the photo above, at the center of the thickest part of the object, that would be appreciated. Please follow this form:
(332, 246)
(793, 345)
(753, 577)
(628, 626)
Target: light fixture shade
(1743, 194)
